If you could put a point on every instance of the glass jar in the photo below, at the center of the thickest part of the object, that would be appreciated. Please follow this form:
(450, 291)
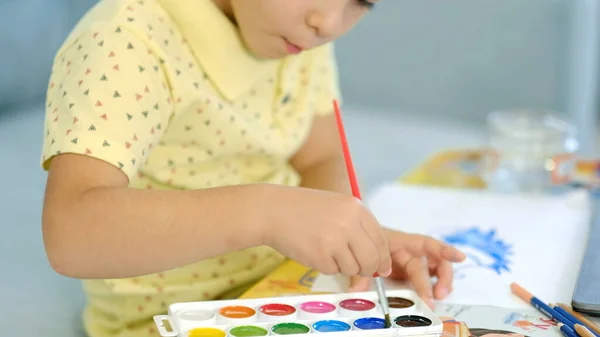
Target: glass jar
(530, 150)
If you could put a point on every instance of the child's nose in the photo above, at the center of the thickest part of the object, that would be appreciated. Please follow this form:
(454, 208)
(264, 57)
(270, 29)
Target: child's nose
(327, 21)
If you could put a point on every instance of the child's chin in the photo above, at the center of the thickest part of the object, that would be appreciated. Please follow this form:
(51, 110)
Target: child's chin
(264, 52)
(267, 54)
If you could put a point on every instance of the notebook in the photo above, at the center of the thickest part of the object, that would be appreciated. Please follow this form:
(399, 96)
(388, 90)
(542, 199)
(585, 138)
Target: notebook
(586, 297)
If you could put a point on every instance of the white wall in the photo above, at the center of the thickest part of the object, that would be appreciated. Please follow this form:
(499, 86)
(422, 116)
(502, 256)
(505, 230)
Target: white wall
(460, 58)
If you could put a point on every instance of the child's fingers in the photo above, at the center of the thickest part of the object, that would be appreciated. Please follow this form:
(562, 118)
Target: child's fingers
(418, 273)
(440, 250)
(444, 275)
(378, 238)
(358, 284)
(452, 254)
(347, 264)
(366, 255)
(421, 245)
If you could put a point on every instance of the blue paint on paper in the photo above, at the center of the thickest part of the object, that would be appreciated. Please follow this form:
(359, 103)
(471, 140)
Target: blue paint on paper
(484, 249)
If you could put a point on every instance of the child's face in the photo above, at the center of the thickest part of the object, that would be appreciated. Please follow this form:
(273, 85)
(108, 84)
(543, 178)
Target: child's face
(276, 28)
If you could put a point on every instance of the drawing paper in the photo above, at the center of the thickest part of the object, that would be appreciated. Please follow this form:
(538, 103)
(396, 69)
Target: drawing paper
(536, 241)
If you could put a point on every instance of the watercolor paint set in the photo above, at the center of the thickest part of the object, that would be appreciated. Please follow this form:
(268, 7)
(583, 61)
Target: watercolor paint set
(345, 314)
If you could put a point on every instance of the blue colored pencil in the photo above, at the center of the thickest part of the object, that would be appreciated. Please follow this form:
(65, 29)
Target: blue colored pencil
(546, 309)
(541, 306)
(567, 331)
(572, 318)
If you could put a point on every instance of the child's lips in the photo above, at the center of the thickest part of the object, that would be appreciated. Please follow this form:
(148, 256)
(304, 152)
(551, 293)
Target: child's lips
(292, 48)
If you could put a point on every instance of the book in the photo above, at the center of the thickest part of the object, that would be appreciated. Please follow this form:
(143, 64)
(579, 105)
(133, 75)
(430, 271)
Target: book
(461, 320)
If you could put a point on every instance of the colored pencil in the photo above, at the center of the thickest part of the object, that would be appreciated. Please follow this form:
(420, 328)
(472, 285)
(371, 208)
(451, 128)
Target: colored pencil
(566, 315)
(589, 324)
(571, 318)
(583, 331)
(356, 193)
(539, 305)
(567, 331)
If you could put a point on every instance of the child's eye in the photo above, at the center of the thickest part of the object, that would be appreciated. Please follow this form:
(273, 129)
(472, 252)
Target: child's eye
(366, 3)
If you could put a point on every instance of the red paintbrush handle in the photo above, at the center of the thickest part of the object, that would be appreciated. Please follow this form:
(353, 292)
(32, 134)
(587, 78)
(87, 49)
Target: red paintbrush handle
(346, 150)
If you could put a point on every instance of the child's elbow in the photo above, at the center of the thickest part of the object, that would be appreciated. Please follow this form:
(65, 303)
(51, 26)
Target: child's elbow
(59, 247)
(59, 264)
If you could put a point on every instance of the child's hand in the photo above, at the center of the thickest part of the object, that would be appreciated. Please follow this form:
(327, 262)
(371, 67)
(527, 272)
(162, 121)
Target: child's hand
(330, 232)
(416, 258)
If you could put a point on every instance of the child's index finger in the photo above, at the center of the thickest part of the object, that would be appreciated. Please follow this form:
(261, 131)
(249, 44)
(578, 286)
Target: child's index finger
(452, 254)
(440, 250)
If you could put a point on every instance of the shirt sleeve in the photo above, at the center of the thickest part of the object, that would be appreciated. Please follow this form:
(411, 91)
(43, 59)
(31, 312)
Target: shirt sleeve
(325, 79)
(107, 98)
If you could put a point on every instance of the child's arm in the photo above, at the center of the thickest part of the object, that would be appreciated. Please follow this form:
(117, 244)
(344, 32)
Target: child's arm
(94, 226)
(320, 161)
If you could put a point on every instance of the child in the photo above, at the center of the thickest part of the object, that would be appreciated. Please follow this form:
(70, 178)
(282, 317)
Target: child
(190, 147)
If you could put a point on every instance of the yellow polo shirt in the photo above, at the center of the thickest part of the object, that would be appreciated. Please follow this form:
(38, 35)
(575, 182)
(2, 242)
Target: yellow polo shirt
(166, 91)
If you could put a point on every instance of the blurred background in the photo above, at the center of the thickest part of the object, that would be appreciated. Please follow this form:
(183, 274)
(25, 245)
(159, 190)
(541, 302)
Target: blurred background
(418, 77)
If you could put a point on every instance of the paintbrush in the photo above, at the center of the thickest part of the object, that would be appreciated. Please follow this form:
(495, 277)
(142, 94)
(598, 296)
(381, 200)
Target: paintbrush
(383, 301)
(356, 193)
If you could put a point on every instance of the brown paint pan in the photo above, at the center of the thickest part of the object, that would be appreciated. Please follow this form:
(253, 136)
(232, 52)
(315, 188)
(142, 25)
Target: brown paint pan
(400, 305)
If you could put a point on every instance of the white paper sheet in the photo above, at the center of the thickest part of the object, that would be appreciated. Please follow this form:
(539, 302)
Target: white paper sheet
(536, 241)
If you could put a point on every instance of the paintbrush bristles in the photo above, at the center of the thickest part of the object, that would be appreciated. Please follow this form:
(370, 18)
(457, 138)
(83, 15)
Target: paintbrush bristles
(388, 321)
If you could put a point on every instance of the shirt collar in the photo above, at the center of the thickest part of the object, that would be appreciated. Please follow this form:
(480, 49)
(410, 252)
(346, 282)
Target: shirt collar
(218, 46)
